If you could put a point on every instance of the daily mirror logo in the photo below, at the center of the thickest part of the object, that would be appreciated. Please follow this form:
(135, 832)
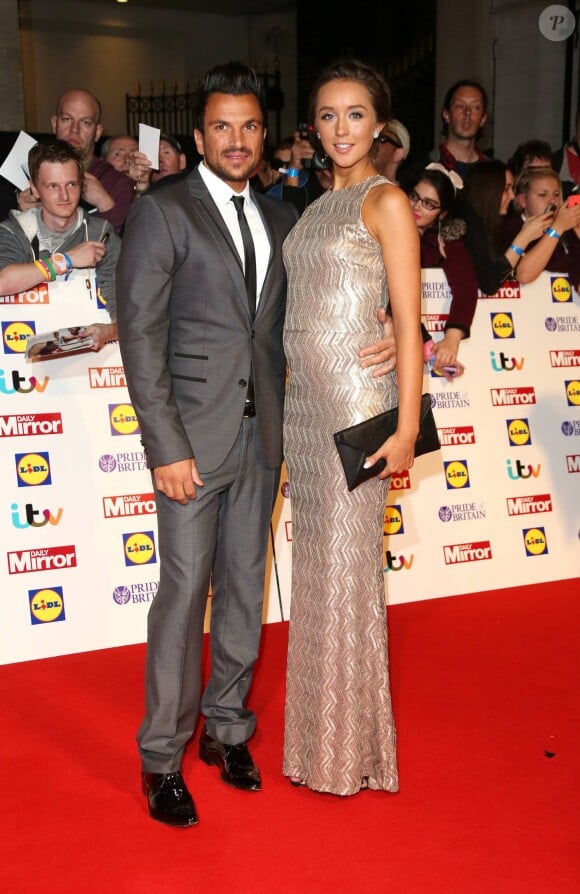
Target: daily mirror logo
(38, 296)
(529, 505)
(459, 553)
(26, 425)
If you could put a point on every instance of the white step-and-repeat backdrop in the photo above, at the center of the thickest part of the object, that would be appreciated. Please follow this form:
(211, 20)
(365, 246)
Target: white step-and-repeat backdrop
(498, 506)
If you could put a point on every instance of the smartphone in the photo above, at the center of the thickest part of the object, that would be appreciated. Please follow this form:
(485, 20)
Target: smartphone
(305, 133)
(550, 208)
(574, 199)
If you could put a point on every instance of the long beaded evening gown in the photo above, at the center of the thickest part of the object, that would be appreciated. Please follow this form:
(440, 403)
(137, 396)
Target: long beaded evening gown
(339, 728)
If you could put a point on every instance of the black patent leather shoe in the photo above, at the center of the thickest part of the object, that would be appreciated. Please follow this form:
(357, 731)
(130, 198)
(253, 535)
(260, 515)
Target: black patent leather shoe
(169, 799)
(235, 761)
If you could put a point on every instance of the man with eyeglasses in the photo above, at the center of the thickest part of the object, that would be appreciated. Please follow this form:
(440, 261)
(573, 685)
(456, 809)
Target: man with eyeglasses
(107, 193)
(464, 114)
(394, 144)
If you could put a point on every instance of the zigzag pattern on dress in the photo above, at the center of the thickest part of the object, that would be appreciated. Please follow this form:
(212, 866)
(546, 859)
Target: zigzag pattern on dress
(339, 727)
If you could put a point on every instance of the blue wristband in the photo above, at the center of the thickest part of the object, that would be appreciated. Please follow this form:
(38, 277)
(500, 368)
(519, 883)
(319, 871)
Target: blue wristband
(292, 172)
(516, 248)
(551, 232)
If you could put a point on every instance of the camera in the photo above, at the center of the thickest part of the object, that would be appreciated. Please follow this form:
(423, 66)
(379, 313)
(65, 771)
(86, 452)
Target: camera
(305, 132)
(319, 161)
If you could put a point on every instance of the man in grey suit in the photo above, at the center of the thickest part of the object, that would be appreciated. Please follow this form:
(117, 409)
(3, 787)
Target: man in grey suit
(206, 373)
(201, 300)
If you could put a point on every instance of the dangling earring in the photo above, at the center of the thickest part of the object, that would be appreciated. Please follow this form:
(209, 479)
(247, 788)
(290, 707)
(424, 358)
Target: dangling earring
(375, 135)
(317, 135)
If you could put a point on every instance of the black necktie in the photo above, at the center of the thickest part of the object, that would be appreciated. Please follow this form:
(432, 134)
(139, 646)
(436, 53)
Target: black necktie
(249, 254)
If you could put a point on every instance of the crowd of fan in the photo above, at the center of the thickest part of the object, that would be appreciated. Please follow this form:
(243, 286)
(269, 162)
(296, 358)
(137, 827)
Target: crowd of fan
(482, 221)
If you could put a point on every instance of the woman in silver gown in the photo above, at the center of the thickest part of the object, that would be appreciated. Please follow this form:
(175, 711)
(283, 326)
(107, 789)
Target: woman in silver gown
(353, 249)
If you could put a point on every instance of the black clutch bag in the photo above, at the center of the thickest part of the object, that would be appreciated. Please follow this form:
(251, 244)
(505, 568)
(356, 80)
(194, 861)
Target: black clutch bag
(354, 444)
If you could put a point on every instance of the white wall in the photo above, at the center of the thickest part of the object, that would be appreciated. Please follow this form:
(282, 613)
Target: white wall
(499, 43)
(108, 50)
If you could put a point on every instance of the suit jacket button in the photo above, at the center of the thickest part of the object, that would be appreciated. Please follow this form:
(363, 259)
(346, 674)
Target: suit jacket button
(242, 383)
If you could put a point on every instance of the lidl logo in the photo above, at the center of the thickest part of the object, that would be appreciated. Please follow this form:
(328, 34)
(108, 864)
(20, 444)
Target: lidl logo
(561, 289)
(46, 605)
(123, 419)
(394, 520)
(519, 434)
(456, 474)
(502, 325)
(139, 548)
(16, 334)
(573, 392)
(32, 469)
(535, 541)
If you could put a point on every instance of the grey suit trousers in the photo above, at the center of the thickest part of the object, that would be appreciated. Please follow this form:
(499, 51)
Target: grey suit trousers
(222, 535)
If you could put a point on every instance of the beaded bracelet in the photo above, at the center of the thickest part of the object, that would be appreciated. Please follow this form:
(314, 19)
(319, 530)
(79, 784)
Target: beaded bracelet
(551, 232)
(516, 248)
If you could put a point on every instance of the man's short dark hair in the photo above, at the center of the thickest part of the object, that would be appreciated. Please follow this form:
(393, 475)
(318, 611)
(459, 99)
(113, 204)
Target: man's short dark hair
(464, 82)
(234, 79)
(54, 152)
(527, 152)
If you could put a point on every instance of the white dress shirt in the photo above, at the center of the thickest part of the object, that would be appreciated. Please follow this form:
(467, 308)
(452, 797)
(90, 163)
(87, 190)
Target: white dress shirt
(222, 194)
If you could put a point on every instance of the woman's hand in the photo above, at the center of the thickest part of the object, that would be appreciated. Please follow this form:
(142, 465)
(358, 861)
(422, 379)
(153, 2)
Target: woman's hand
(567, 218)
(446, 350)
(399, 452)
(533, 228)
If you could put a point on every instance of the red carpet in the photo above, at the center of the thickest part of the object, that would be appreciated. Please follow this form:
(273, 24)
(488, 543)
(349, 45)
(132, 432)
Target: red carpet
(486, 688)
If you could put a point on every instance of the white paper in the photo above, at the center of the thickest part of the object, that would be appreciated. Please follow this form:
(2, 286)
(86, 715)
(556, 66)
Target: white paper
(149, 143)
(15, 165)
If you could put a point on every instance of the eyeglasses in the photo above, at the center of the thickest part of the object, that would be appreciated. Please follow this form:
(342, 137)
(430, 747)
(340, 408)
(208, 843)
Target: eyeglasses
(383, 138)
(428, 204)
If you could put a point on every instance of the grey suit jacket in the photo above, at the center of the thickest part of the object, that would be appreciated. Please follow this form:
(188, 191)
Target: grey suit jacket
(186, 336)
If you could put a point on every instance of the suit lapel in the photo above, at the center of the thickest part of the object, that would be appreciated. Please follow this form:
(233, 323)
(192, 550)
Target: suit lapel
(209, 212)
(273, 269)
